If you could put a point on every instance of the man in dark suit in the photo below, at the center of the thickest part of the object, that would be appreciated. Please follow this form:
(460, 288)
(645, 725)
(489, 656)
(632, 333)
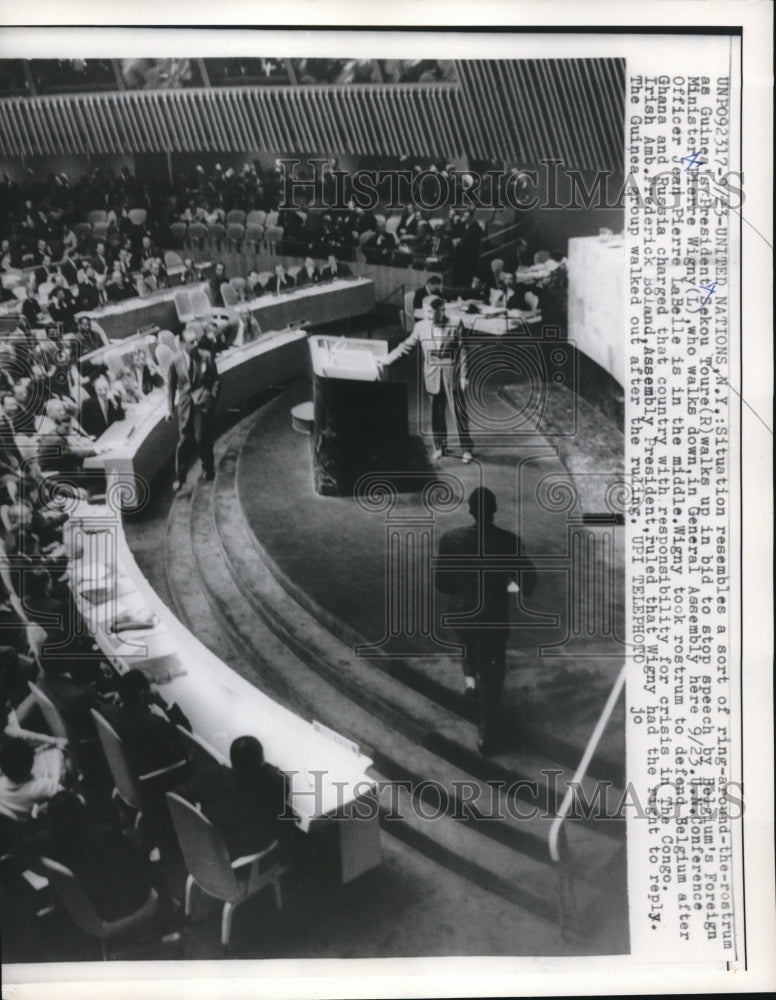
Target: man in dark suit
(45, 272)
(280, 281)
(309, 274)
(432, 287)
(484, 570)
(243, 802)
(89, 294)
(101, 261)
(335, 269)
(194, 376)
(101, 410)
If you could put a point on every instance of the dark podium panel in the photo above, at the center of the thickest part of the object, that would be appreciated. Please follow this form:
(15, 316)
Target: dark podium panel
(360, 421)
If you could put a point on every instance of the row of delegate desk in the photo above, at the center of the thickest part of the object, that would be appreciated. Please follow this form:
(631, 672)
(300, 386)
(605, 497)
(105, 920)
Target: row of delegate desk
(329, 778)
(326, 302)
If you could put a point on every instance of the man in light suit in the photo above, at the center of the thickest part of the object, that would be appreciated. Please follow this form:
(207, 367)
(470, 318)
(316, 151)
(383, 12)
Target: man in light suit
(444, 373)
(194, 376)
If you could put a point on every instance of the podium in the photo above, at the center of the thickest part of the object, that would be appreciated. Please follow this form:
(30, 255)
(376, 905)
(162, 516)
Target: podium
(360, 419)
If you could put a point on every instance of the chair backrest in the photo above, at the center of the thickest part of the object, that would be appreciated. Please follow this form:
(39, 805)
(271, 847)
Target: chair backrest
(20, 291)
(204, 851)
(235, 231)
(273, 233)
(293, 272)
(5, 517)
(172, 259)
(254, 233)
(408, 313)
(380, 218)
(124, 777)
(82, 230)
(236, 215)
(137, 216)
(264, 278)
(497, 266)
(76, 902)
(229, 294)
(44, 290)
(49, 711)
(114, 362)
(216, 230)
(178, 230)
(392, 224)
(97, 215)
(256, 218)
(99, 230)
(541, 256)
(183, 307)
(365, 237)
(272, 218)
(167, 337)
(239, 285)
(200, 303)
(165, 356)
(197, 231)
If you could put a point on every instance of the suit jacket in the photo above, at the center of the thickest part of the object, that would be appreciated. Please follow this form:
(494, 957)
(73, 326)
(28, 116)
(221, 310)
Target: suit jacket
(245, 816)
(303, 278)
(274, 284)
(343, 271)
(199, 393)
(494, 554)
(94, 421)
(151, 741)
(420, 295)
(444, 354)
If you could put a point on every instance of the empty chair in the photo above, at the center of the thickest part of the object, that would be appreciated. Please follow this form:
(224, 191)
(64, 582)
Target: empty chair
(137, 216)
(172, 260)
(99, 232)
(216, 233)
(183, 306)
(196, 234)
(254, 236)
(256, 218)
(83, 232)
(82, 911)
(293, 272)
(240, 286)
(229, 295)
(97, 215)
(235, 232)
(165, 356)
(272, 236)
(49, 711)
(167, 339)
(264, 278)
(236, 215)
(178, 233)
(200, 304)
(210, 868)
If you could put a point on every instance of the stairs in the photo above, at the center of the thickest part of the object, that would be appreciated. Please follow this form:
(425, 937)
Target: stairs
(487, 820)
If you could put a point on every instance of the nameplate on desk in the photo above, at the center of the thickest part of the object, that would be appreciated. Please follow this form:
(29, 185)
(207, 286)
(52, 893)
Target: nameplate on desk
(336, 737)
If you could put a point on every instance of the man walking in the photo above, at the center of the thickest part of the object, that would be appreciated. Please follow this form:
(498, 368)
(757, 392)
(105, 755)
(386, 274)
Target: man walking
(483, 572)
(194, 376)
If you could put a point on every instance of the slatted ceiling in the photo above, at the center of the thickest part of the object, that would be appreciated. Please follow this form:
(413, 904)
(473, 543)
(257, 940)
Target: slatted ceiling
(525, 111)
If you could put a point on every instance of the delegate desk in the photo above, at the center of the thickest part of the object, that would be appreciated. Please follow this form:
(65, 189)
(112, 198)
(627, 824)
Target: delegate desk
(109, 588)
(138, 446)
(327, 780)
(315, 304)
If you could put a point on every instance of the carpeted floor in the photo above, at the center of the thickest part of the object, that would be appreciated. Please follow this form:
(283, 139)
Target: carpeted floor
(335, 550)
